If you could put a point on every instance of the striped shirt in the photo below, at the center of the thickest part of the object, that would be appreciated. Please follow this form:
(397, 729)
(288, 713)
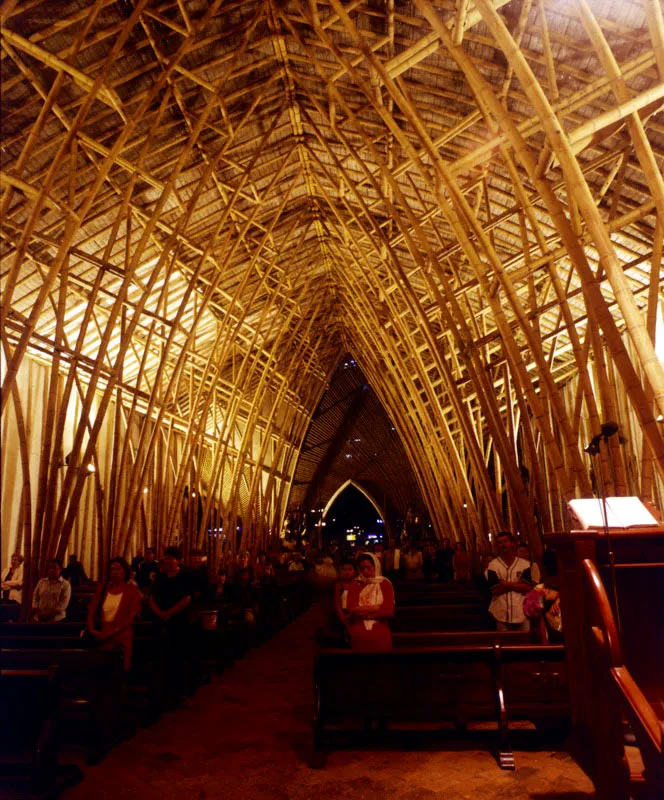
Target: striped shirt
(52, 597)
(508, 607)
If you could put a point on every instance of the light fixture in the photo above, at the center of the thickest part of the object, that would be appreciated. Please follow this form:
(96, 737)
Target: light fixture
(89, 468)
(145, 490)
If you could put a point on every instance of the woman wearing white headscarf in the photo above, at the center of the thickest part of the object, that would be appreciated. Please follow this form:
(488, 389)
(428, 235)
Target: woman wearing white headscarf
(370, 604)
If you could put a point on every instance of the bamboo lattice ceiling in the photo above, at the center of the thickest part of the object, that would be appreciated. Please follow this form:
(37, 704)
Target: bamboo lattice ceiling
(466, 195)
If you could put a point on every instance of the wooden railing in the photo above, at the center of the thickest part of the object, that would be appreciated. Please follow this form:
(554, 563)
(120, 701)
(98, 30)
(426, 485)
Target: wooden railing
(622, 689)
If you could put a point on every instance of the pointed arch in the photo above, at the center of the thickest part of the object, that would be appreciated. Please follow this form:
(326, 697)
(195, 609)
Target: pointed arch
(381, 513)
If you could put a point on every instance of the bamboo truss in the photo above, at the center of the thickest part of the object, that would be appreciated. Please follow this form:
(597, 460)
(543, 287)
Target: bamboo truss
(206, 206)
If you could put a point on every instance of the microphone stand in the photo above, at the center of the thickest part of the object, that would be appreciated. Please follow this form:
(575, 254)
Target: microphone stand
(593, 449)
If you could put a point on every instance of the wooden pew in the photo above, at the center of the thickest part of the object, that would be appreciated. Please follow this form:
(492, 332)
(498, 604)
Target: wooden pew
(146, 689)
(64, 628)
(454, 683)
(461, 638)
(81, 597)
(91, 690)
(434, 594)
(431, 618)
(29, 701)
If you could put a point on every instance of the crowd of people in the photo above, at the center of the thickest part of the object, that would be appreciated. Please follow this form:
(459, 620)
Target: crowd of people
(518, 600)
(168, 591)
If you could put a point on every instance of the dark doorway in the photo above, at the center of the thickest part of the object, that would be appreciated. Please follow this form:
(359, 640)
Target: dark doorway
(352, 519)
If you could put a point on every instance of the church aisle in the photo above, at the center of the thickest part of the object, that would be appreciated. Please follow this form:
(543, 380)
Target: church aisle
(246, 735)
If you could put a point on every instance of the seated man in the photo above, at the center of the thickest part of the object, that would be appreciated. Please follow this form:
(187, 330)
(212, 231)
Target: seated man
(391, 561)
(52, 595)
(444, 561)
(508, 578)
(147, 570)
(246, 600)
(75, 572)
(260, 565)
(223, 589)
(199, 580)
(245, 596)
(296, 564)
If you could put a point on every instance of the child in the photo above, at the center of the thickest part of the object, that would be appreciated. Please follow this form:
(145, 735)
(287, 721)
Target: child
(543, 603)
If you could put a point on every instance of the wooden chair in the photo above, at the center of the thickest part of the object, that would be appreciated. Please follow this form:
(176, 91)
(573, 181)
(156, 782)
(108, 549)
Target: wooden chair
(604, 644)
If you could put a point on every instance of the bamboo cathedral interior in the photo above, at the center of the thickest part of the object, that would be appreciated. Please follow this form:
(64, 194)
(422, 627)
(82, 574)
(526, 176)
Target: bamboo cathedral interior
(264, 262)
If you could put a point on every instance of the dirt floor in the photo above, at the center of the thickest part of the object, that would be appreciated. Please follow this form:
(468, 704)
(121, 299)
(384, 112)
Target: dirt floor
(246, 736)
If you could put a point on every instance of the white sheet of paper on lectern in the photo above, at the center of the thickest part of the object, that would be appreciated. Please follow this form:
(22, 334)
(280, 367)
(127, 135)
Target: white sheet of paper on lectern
(621, 512)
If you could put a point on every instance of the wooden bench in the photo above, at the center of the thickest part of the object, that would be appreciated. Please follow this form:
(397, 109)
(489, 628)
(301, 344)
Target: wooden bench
(437, 597)
(454, 683)
(461, 638)
(29, 701)
(146, 681)
(431, 618)
(64, 628)
(91, 690)
(440, 610)
(81, 597)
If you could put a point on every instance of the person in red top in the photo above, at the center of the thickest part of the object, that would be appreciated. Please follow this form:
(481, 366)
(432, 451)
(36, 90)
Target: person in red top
(114, 608)
(370, 604)
(461, 562)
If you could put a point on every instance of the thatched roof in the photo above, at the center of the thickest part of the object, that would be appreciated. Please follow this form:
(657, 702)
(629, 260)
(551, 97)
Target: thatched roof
(247, 191)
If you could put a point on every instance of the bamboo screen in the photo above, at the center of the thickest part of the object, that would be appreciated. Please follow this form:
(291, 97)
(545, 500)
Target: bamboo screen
(207, 204)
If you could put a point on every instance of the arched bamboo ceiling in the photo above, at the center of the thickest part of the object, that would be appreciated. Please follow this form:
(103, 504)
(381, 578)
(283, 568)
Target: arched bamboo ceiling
(206, 204)
(351, 438)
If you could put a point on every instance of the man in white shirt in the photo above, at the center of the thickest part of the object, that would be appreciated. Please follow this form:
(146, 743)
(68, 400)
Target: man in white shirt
(509, 579)
(296, 564)
(52, 595)
(391, 561)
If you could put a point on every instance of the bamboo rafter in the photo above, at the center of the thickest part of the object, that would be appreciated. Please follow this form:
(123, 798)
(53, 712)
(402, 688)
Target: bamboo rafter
(205, 210)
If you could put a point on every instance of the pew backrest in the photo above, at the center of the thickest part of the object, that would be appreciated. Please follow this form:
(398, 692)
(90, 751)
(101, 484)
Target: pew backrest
(28, 700)
(447, 682)
(447, 638)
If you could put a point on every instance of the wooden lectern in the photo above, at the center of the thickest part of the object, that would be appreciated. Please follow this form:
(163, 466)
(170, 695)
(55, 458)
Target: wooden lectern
(597, 741)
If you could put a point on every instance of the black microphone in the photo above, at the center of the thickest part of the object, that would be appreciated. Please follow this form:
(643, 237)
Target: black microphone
(608, 429)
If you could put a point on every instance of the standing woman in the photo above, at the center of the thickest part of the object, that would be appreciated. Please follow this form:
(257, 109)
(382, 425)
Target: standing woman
(113, 610)
(461, 562)
(370, 605)
(412, 560)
